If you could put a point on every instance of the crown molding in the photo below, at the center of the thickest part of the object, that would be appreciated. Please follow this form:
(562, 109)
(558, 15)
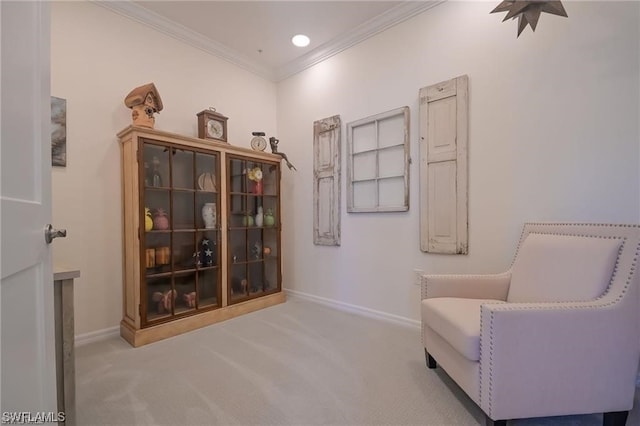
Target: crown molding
(184, 34)
(393, 16)
(376, 25)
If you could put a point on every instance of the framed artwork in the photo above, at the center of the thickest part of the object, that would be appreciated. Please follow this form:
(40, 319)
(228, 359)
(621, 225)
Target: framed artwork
(58, 132)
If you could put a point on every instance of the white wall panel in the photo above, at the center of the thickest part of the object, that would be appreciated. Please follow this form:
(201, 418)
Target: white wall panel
(544, 141)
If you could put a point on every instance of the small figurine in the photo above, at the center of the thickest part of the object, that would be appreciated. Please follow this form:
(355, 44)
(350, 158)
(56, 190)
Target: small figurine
(239, 285)
(160, 220)
(255, 286)
(164, 300)
(144, 101)
(256, 250)
(190, 299)
(274, 149)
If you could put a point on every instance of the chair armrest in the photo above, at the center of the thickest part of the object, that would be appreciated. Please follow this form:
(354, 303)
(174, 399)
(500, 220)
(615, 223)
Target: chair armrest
(536, 357)
(489, 286)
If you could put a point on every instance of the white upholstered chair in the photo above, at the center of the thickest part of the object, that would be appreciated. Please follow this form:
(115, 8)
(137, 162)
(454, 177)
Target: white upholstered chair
(557, 334)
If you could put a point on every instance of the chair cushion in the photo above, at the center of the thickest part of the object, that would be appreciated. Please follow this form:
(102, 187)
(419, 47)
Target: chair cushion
(562, 268)
(457, 321)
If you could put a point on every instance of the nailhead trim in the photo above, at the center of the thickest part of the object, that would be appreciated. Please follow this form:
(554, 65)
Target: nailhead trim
(480, 363)
(491, 338)
(537, 306)
(561, 305)
(605, 237)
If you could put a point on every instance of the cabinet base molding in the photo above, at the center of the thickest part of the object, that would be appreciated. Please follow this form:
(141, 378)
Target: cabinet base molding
(163, 331)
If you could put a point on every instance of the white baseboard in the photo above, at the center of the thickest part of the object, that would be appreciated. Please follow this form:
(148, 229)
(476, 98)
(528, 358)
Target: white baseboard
(359, 310)
(95, 336)
(106, 333)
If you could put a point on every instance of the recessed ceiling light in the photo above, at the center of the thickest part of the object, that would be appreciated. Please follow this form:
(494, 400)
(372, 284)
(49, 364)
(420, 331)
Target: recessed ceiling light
(300, 40)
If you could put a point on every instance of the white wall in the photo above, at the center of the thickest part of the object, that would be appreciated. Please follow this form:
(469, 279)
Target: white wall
(97, 57)
(553, 136)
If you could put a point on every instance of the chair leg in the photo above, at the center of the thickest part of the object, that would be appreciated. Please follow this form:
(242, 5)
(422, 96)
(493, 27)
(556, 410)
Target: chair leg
(488, 421)
(431, 363)
(615, 418)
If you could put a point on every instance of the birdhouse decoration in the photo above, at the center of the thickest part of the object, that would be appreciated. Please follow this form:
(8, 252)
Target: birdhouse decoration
(144, 101)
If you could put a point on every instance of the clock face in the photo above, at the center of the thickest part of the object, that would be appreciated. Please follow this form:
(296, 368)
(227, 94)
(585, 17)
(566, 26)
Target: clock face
(214, 129)
(258, 143)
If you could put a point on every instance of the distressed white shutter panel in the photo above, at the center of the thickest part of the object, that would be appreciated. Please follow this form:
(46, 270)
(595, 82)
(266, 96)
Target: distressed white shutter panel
(326, 181)
(443, 167)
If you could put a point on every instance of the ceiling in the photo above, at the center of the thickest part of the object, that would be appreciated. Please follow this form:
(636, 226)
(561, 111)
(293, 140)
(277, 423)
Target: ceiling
(256, 35)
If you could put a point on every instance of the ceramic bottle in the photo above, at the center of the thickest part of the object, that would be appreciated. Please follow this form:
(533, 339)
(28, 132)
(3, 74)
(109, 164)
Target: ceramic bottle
(259, 217)
(209, 215)
(160, 220)
(269, 220)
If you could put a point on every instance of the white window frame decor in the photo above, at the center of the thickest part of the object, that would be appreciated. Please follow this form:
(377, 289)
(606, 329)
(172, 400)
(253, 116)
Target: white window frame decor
(378, 163)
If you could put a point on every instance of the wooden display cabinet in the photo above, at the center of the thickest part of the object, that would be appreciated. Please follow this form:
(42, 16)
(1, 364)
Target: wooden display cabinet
(254, 239)
(185, 268)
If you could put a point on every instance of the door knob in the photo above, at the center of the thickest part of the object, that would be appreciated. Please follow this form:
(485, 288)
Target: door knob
(50, 233)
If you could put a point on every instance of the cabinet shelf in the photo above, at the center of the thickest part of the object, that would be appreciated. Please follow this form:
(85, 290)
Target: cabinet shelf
(252, 194)
(157, 274)
(207, 268)
(155, 317)
(178, 271)
(189, 190)
(187, 230)
(233, 228)
(244, 262)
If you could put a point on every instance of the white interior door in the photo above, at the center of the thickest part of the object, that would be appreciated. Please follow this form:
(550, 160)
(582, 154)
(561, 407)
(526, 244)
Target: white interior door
(27, 343)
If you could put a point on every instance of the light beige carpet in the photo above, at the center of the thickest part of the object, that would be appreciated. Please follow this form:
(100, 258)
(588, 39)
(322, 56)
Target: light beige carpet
(299, 363)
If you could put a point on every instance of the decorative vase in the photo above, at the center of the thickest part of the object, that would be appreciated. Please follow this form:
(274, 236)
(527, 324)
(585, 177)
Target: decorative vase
(148, 220)
(257, 187)
(247, 220)
(209, 215)
(156, 177)
(259, 217)
(160, 220)
(269, 220)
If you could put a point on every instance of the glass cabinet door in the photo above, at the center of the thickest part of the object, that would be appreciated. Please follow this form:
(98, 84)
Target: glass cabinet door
(179, 209)
(253, 238)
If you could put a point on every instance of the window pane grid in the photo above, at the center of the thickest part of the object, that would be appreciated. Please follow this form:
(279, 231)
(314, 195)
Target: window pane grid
(378, 163)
